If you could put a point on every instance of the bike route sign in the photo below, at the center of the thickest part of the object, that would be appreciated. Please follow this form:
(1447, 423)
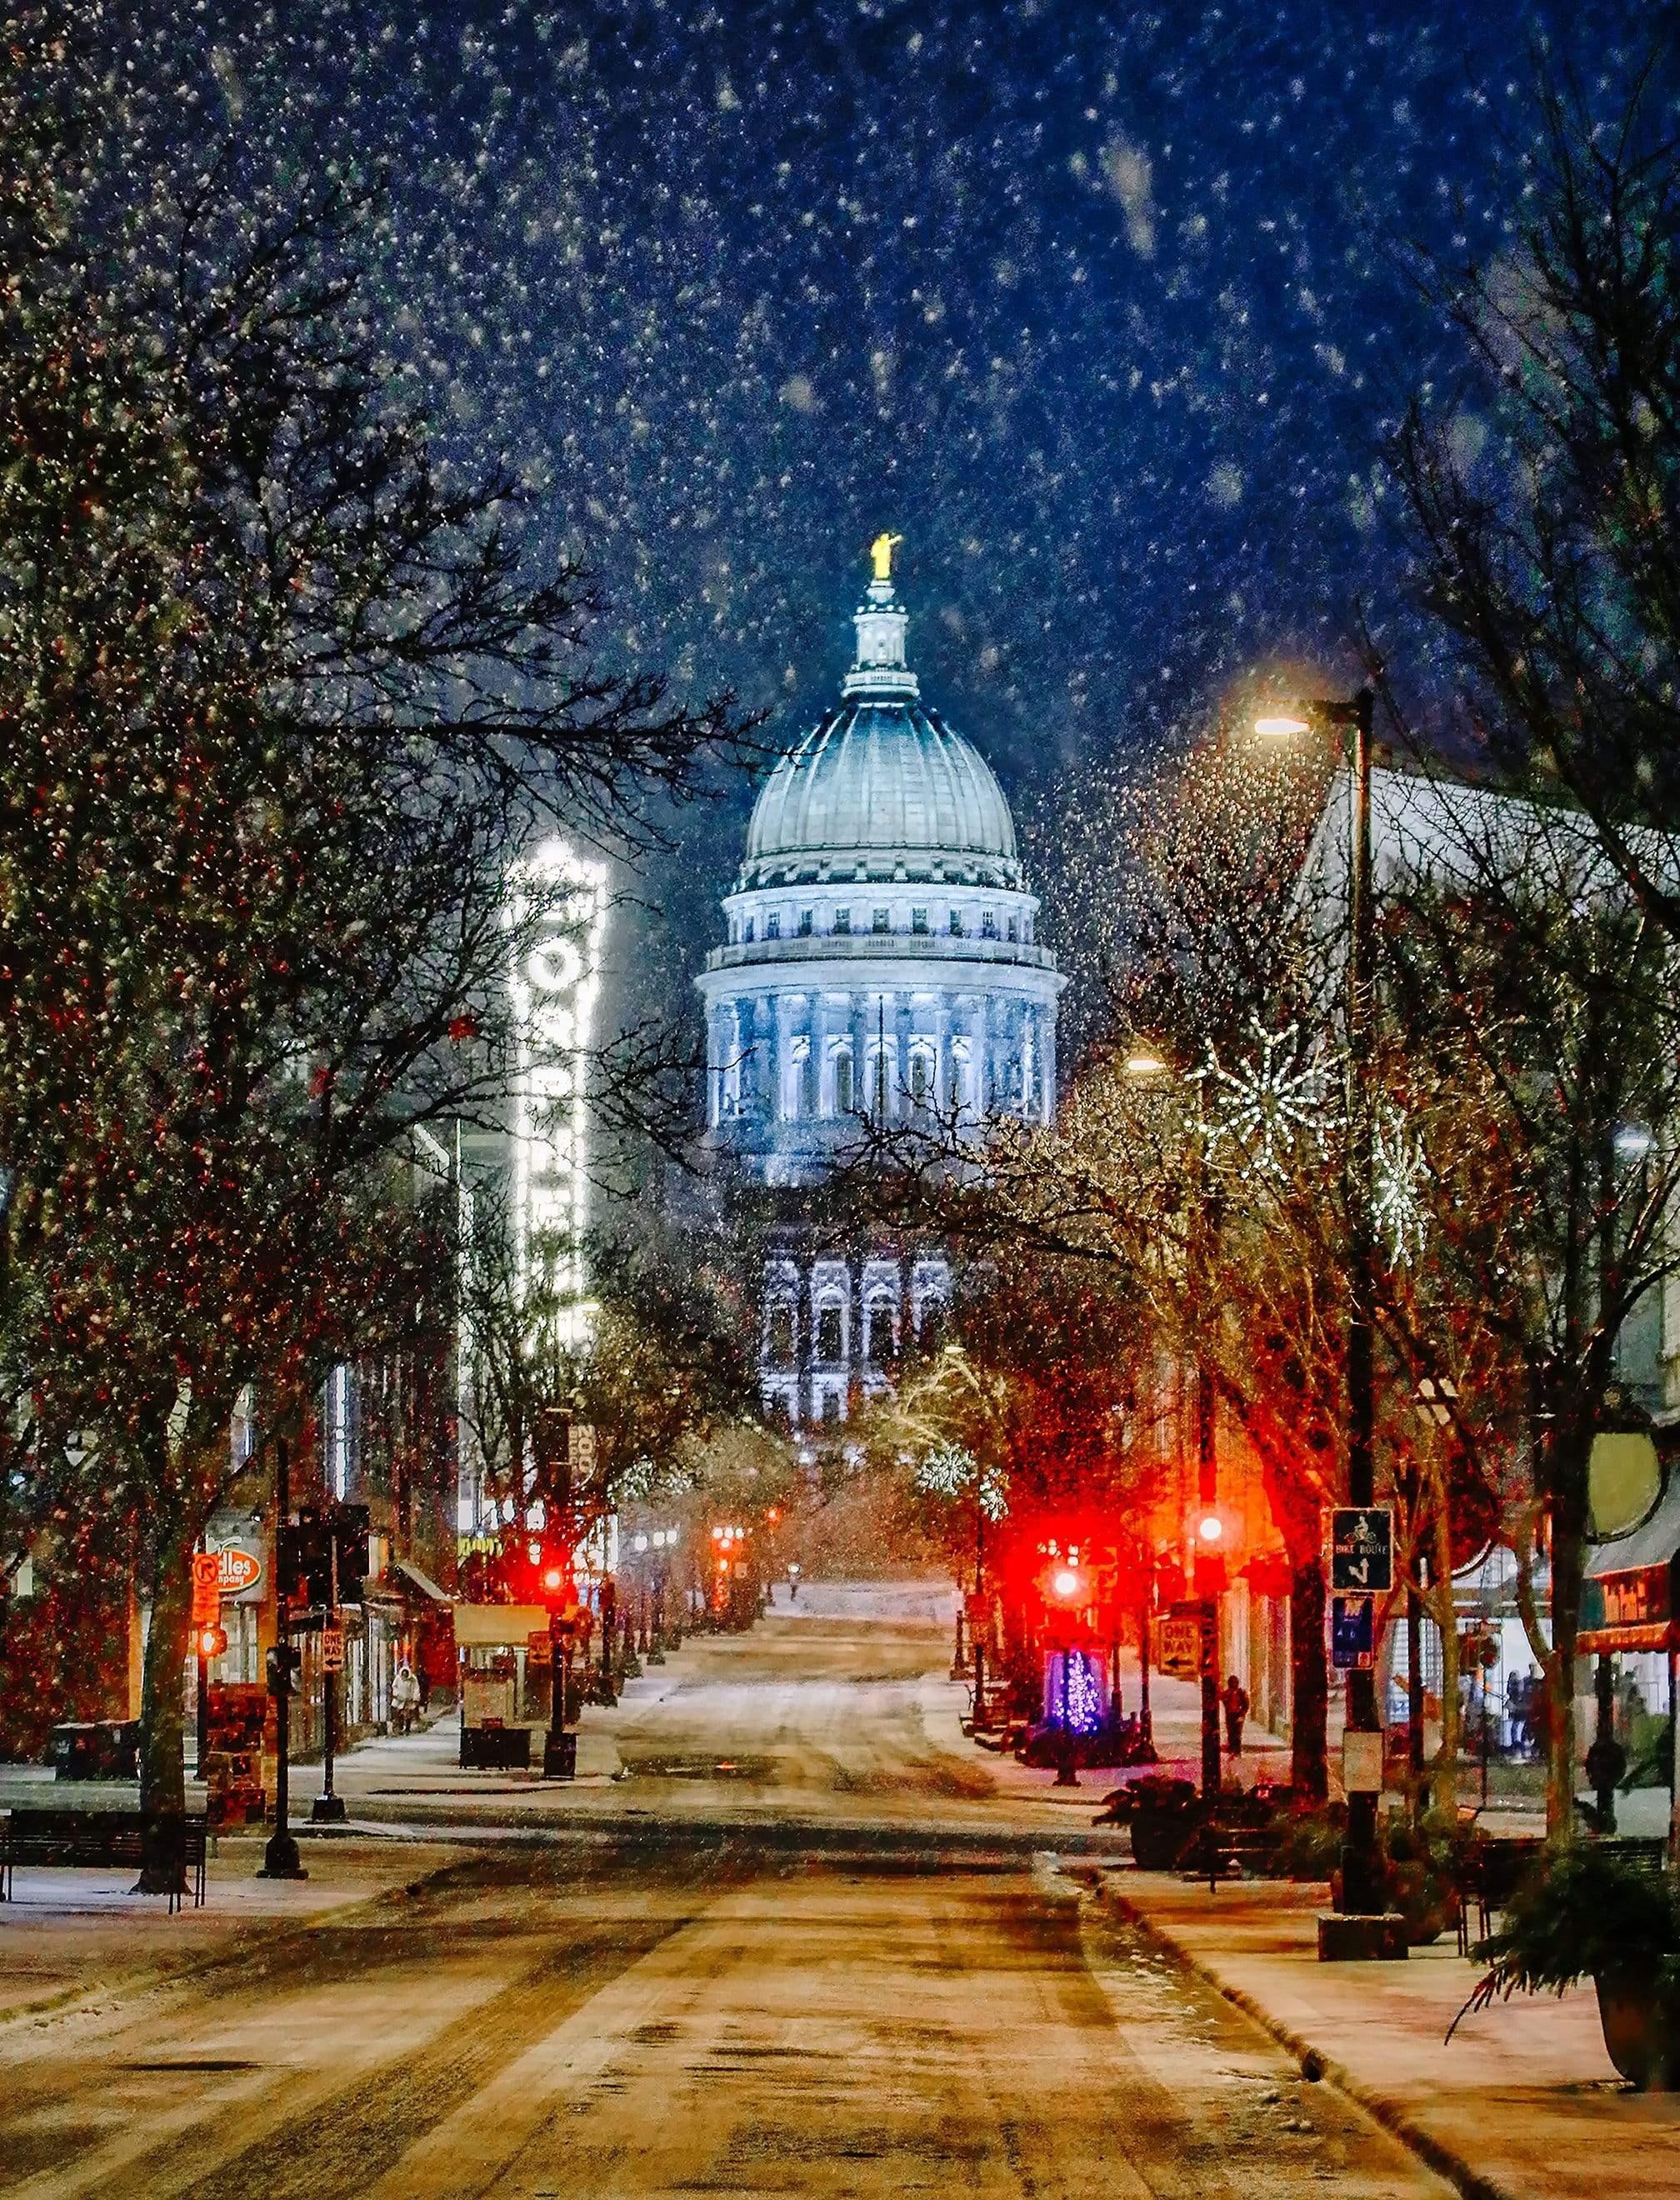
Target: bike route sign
(1361, 1550)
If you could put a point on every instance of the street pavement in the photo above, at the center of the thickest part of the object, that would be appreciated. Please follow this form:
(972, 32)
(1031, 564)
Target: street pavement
(792, 1935)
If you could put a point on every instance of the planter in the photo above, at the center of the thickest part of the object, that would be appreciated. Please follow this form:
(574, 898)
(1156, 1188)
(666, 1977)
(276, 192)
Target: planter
(1429, 1903)
(1639, 2036)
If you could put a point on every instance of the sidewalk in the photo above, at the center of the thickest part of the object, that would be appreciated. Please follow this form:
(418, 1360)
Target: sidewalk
(67, 1933)
(1523, 2105)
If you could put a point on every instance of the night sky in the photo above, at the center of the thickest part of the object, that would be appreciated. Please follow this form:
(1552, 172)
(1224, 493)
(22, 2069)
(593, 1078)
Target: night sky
(1101, 309)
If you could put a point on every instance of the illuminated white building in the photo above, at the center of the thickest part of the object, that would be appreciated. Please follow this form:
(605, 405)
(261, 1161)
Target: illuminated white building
(881, 962)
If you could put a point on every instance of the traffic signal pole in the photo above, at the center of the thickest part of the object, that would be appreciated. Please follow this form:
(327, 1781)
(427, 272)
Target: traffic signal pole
(328, 1809)
(280, 1858)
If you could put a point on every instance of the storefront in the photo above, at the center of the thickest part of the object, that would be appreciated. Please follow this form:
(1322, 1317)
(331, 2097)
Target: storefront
(1630, 1609)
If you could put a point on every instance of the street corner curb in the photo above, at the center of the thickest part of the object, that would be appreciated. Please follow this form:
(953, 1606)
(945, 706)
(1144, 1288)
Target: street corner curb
(1314, 2063)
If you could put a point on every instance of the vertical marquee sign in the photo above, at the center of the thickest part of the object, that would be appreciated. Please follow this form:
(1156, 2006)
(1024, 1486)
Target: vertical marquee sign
(557, 915)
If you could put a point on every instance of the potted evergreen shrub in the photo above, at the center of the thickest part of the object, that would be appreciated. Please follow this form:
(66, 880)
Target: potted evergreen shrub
(1422, 1865)
(1587, 1914)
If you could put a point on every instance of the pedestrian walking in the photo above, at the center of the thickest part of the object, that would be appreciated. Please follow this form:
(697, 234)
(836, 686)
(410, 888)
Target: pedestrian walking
(405, 1698)
(1235, 1702)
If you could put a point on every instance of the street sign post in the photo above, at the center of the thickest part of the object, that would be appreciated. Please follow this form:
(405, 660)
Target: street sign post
(332, 1649)
(1178, 1643)
(1353, 1633)
(206, 1591)
(1361, 1549)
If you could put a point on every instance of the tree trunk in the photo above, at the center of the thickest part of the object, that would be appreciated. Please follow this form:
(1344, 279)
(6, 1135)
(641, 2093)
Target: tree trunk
(1444, 1776)
(162, 1766)
(1309, 1694)
(1568, 1560)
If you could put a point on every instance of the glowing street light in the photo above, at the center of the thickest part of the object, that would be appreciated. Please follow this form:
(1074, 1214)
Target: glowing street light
(1210, 1528)
(1361, 1892)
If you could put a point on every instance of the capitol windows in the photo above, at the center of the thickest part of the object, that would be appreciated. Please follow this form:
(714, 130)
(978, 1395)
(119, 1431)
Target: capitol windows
(924, 1074)
(807, 922)
(883, 1078)
(883, 920)
(988, 924)
(799, 1080)
(1014, 931)
(930, 1323)
(842, 920)
(957, 924)
(782, 1335)
(918, 920)
(831, 1333)
(773, 925)
(747, 934)
(844, 1095)
(958, 1075)
(881, 1332)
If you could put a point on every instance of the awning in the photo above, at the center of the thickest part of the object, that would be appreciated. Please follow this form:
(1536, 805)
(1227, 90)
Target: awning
(1628, 1601)
(499, 1626)
(422, 1580)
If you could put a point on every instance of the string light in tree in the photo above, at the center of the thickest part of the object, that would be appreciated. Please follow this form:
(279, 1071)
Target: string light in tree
(1084, 1699)
(1265, 1104)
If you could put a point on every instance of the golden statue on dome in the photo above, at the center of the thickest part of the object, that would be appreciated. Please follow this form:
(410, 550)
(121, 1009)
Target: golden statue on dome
(881, 551)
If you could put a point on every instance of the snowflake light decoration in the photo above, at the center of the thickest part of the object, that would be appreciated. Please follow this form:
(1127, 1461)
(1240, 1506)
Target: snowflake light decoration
(1399, 1173)
(951, 1472)
(1263, 1105)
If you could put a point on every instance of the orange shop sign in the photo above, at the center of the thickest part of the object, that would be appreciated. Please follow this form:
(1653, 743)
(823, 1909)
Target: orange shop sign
(236, 1570)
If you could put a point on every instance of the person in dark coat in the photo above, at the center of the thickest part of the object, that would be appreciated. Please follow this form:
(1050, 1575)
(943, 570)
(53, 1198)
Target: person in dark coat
(1235, 1702)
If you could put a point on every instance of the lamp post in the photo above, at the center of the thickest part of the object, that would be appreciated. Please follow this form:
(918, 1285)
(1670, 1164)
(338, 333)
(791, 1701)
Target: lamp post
(1361, 1880)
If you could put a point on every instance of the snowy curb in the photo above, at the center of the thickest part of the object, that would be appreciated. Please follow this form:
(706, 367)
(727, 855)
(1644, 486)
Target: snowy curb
(1429, 2150)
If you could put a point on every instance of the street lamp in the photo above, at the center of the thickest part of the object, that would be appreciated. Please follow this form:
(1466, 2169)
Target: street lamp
(1361, 1882)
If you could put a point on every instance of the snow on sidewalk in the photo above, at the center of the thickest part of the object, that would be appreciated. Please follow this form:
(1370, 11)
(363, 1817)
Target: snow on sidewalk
(1523, 2105)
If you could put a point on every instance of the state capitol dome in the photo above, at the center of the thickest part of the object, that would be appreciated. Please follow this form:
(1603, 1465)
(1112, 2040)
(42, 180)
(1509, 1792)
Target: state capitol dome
(881, 959)
(881, 968)
(882, 787)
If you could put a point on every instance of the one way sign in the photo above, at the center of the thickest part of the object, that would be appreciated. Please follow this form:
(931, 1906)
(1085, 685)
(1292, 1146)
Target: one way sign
(1361, 1549)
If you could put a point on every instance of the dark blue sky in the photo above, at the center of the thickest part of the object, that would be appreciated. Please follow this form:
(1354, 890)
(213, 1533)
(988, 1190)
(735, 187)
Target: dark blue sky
(1098, 308)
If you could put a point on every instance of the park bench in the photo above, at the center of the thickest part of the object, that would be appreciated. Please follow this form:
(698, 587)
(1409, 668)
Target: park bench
(107, 1840)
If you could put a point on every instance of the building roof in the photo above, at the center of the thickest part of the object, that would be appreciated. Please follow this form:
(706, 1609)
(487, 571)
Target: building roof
(882, 787)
